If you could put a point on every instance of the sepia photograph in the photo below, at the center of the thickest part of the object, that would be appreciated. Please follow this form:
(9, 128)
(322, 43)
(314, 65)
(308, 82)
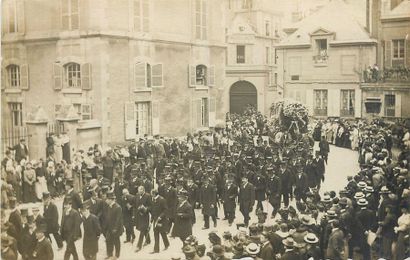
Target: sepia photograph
(205, 129)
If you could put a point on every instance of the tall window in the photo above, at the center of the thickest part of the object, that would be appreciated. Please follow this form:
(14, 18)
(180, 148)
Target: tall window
(72, 75)
(320, 102)
(11, 15)
(240, 54)
(201, 75)
(16, 110)
(200, 19)
(390, 105)
(398, 49)
(347, 102)
(204, 112)
(141, 15)
(142, 116)
(70, 14)
(13, 73)
(267, 55)
(267, 28)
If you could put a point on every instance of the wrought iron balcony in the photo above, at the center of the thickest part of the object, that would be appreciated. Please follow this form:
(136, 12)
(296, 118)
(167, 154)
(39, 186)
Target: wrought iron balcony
(399, 74)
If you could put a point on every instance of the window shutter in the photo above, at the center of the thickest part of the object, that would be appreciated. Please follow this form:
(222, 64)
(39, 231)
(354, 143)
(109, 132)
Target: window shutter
(58, 76)
(407, 52)
(24, 78)
(145, 15)
(86, 73)
(211, 76)
(140, 72)
(20, 16)
(155, 117)
(130, 121)
(198, 113)
(192, 76)
(212, 112)
(157, 75)
(388, 55)
(397, 106)
(204, 20)
(3, 78)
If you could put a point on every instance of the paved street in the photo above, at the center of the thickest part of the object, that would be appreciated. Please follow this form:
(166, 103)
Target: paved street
(342, 163)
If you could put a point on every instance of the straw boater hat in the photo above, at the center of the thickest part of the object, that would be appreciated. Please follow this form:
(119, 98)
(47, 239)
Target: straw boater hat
(326, 198)
(359, 195)
(289, 242)
(369, 189)
(362, 202)
(384, 190)
(252, 249)
(311, 238)
(362, 184)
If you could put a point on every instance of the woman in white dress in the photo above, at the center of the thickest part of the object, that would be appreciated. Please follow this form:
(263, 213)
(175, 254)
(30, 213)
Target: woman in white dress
(58, 149)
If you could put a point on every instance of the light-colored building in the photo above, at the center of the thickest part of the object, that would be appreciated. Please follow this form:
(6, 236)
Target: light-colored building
(110, 71)
(388, 95)
(321, 63)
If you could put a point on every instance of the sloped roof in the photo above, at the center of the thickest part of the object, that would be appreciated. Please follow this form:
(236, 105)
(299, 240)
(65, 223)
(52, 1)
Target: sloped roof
(335, 17)
(402, 10)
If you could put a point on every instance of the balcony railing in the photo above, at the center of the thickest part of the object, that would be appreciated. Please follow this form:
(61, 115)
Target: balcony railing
(373, 75)
(320, 59)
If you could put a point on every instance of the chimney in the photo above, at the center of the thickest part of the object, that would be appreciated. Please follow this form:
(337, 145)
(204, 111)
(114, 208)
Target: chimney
(373, 14)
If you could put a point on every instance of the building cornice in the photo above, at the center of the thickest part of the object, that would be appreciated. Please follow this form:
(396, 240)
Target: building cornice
(387, 19)
(321, 82)
(293, 46)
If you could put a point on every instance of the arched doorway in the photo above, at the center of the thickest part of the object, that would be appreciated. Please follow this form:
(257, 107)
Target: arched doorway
(242, 94)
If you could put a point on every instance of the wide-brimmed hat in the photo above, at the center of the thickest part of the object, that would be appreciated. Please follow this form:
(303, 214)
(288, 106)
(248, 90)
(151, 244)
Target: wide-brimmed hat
(252, 249)
(384, 190)
(326, 198)
(188, 249)
(307, 220)
(288, 242)
(362, 202)
(369, 189)
(331, 213)
(359, 195)
(311, 238)
(361, 184)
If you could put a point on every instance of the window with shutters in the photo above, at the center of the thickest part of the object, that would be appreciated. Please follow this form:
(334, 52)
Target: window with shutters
(11, 16)
(201, 19)
(390, 105)
(141, 15)
(321, 48)
(204, 112)
(70, 15)
(398, 49)
(347, 99)
(72, 75)
(320, 105)
(201, 75)
(84, 111)
(143, 118)
(13, 74)
(240, 54)
(148, 75)
(16, 110)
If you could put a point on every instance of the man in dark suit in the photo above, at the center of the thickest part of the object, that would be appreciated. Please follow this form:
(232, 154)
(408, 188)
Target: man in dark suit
(73, 195)
(28, 239)
(21, 151)
(246, 199)
(286, 182)
(183, 218)
(274, 191)
(335, 247)
(208, 199)
(260, 190)
(290, 252)
(70, 228)
(324, 148)
(114, 224)
(15, 218)
(301, 186)
(43, 249)
(141, 216)
(170, 195)
(127, 206)
(229, 200)
(158, 220)
(319, 164)
(266, 252)
(193, 193)
(92, 232)
(51, 219)
(96, 206)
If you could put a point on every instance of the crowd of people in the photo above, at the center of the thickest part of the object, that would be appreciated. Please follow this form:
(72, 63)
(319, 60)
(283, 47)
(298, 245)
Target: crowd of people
(160, 186)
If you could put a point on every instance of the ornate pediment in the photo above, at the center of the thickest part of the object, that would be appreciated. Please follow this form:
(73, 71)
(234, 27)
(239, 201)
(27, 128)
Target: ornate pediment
(321, 31)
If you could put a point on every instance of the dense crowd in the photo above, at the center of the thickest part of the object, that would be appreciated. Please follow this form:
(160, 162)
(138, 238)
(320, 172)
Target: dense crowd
(159, 185)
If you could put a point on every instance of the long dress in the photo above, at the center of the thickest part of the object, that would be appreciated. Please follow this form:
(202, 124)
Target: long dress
(29, 194)
(66, 148)
(58, 151)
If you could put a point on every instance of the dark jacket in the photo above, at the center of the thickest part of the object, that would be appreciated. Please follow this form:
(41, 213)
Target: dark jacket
(113, 221)
(260, 188)
(246, 197)
(92, 231)
(266, 252)
(291, 255)
(141, 211)
(183, 221)
(43, 250)
(15, 219)
(158, 210)
(70, 226)
(208, 199)
(77, 203)
(51, 218)
(20, 152)
(229, 197)
(27, 243)
(335, 246)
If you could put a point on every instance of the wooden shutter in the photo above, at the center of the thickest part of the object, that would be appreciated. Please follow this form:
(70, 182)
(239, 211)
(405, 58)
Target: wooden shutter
(212, 112)
(155, 117)
(20, 16)
(198, 104)
(192, 76)
(3, 78)
(24, 76)
(211, 76)
(86, 72)
(140, 75)
(397, 106)
(157, 75)
(204, 21)
(130, 121)
(388, 54)
(407, 52)
(145, 15)
(58, 76)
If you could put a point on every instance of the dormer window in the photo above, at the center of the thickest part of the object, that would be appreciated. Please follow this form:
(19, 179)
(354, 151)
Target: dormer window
(321, 48)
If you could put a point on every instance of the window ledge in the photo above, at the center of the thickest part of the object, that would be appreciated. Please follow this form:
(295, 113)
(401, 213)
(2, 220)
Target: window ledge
(13, 90)
(320, 64)
(143, 89)
(88, 124)
(72, 91)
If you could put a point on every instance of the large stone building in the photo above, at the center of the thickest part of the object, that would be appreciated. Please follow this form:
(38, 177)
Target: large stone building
(321, 63)
(388, 93)
(110, 71)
